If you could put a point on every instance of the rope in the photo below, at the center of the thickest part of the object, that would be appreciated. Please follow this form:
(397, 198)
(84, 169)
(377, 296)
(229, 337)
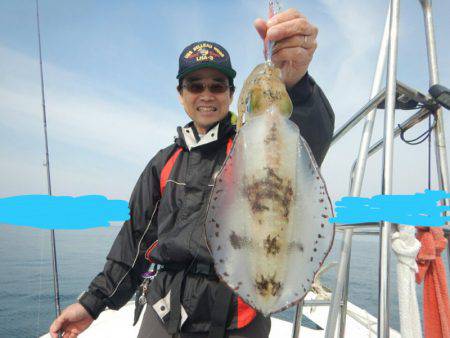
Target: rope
(406, 246)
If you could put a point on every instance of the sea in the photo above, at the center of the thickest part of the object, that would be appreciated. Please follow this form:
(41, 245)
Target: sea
(26, 282)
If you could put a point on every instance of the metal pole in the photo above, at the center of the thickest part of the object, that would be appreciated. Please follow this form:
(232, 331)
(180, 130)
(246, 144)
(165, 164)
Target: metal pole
(406, 125)
(368, 125)
(342, 314)
(439, 134)
(386, 187)
(341, 288)
(358, 116)
(47, 164)
(297, 320)
(343, 311)
(356, 184)
(402, 89)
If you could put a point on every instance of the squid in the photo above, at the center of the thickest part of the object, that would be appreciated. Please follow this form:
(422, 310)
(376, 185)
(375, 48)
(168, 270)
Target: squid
(267, 222)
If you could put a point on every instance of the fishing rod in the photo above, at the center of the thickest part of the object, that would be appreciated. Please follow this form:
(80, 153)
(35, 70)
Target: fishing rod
(47, 165)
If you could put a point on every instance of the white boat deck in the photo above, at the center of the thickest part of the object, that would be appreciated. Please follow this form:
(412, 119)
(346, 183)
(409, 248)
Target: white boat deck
(359, 323)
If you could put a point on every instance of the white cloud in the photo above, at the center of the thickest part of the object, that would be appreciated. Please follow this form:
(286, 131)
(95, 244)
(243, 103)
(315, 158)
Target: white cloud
(120, 126)
(353, 39)
(86, 122)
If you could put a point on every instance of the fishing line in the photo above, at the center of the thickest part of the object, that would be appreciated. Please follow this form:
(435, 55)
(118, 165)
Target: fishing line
(274, 8)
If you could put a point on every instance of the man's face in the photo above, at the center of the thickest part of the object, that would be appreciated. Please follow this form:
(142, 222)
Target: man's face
(205, 108)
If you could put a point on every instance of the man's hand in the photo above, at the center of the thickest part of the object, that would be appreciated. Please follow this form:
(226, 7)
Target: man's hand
(72, 321)
(295, 43)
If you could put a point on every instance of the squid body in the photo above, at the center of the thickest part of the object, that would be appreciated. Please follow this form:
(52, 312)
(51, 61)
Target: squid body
(267, 224)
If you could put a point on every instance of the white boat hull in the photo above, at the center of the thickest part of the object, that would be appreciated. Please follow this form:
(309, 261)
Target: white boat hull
(359, 323)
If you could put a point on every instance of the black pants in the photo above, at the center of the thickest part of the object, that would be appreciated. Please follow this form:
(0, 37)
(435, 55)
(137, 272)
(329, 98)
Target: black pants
(152, 328)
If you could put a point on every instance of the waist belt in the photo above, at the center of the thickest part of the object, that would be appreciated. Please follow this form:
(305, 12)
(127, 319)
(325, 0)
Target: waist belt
(195, 268)
(222, 304)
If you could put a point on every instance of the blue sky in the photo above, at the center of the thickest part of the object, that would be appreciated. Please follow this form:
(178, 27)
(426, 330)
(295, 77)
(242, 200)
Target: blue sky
(110, 70)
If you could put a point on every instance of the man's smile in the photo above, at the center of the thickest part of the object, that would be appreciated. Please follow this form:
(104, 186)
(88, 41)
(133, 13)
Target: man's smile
(206, 109)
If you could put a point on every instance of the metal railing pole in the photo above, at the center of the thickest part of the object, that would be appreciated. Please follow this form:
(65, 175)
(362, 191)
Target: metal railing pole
(358, 174)
(358, 116)
(297, 320)
(406, 125)
(344, 297)
(386, 187)
(341, 288)
(439, 134)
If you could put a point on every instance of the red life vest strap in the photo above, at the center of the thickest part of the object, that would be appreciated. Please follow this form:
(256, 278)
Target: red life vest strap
(165, 172)
(167, 169)
(229, 145)
(245, 313)
(149, 251)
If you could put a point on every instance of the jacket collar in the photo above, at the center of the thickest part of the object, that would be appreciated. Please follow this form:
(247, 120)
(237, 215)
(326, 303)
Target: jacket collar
(189, 138)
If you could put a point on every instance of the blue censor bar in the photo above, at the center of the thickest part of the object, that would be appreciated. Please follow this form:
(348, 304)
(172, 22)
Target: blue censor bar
(62, 212)
(416, 210)
(91, 211)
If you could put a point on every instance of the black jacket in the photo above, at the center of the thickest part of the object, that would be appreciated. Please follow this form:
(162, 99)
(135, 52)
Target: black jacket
(176, 218)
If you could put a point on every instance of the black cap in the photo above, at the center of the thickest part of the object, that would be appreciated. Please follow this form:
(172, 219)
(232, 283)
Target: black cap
(203, 54)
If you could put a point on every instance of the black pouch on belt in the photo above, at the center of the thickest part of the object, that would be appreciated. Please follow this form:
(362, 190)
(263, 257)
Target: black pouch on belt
(220, 312)
(221, 307)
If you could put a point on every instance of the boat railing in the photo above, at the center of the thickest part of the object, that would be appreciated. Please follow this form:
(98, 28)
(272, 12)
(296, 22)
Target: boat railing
(396, 95)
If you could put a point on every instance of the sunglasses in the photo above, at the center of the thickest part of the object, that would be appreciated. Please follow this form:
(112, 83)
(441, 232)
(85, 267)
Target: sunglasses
(199, 87)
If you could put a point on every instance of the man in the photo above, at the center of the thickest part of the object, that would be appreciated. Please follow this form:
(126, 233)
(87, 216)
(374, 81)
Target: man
(169, 201)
